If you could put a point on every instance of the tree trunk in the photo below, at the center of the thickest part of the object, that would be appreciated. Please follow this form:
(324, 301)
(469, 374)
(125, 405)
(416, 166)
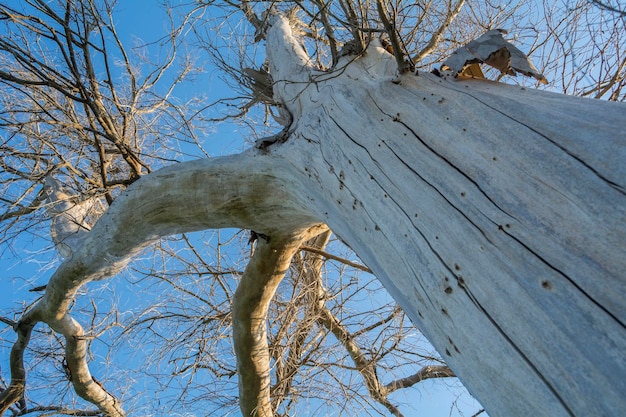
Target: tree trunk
(499, 233)
(494, 215)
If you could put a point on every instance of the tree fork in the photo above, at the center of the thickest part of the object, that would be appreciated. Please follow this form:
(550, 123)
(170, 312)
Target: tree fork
(149, 209)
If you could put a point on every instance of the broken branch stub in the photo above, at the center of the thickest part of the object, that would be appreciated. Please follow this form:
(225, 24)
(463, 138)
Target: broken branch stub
(492, 49)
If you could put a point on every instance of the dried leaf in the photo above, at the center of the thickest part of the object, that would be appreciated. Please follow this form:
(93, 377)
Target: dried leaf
(491, 49)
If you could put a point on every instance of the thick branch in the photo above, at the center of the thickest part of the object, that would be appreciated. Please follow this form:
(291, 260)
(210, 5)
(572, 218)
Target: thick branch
(246, 191)
(15, 391)
(258, 284)
(85, 385)
(290, 66)
(288, 60)
(237, 191)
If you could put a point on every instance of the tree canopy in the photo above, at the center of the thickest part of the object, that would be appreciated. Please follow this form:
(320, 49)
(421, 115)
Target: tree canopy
(91, 117)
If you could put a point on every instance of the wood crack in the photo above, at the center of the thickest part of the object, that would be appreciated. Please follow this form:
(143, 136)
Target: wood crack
(616, 186)
(564, 275)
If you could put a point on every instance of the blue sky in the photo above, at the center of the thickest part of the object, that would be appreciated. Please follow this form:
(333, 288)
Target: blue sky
(34, 260)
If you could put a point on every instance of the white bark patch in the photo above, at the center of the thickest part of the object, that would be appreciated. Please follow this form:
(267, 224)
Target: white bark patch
(70, 219)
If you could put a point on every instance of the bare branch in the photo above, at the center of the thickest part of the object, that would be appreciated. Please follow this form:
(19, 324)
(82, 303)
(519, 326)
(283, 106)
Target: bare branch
(366, 367)
(14, 393)
(250, 305)
(328, 255)
(61, 411)
(427, 372)
(608, 7)
(435, 39)
(390, 28)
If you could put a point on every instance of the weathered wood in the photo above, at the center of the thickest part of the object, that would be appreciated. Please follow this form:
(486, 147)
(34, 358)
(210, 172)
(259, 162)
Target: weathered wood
(495, 215)
(251, 302)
